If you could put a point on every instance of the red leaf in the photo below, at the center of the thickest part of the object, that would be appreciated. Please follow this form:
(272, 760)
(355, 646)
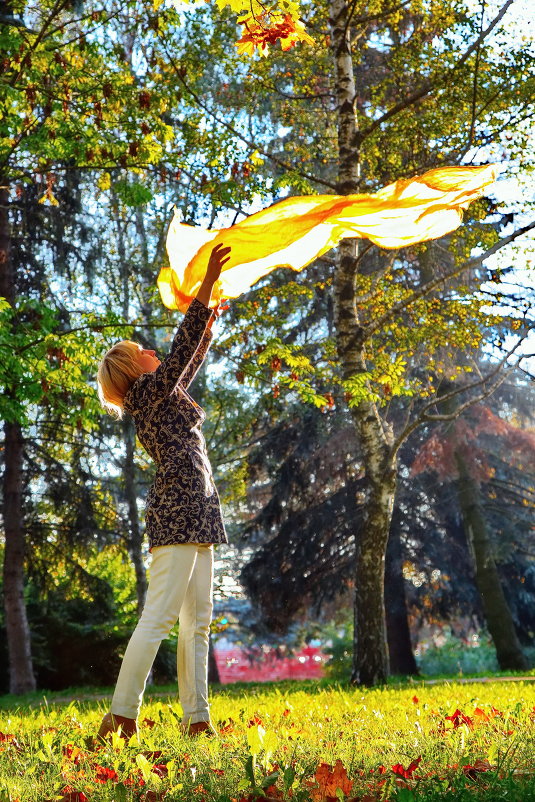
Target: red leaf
(479, 767)
(148, 722)
(329, 780)
(70, 795)
(10, 739)
(104, 774)
(459, 718)
(409, 771)
(73, 753)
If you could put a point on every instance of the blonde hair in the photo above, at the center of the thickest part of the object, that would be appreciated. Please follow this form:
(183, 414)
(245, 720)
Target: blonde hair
(117, 371)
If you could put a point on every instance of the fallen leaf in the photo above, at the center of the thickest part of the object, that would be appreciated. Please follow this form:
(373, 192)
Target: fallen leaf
(104, 774)
(409, 771)
(458, 719)
(478, 767)
(328, 781)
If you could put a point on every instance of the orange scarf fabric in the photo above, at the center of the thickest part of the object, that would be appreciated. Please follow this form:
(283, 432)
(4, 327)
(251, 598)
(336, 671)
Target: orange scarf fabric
(295, 231)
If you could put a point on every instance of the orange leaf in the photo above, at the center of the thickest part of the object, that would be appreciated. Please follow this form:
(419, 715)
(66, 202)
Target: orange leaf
(329, 780)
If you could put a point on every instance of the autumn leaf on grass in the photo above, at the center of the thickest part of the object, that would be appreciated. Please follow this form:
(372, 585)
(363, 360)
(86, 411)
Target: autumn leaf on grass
(328, 781)
(73, 753)
(153, 796)
(104, 774)
(479, 767)
(267, 29)
(458, 718)
(68, 794)
(226, 725)
(409, 771)
(9, 740)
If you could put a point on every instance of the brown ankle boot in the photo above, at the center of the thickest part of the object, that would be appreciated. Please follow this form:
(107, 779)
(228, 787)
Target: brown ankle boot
(112, 722)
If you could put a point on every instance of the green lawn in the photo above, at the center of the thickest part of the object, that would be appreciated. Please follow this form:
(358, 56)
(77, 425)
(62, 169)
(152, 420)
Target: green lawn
(286, 741)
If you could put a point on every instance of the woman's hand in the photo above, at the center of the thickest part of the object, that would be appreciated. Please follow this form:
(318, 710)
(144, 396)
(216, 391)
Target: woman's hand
(219, 256)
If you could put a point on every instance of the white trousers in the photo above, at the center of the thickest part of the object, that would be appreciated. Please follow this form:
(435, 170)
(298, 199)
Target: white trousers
(180, 588)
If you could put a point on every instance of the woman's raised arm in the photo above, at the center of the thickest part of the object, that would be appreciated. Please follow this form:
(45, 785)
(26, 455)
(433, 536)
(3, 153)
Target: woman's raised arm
(193, 329)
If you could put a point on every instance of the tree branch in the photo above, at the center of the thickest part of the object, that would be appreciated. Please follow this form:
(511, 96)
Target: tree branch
(423, 415)
(432, 83)
(470, 264)
(253, 145)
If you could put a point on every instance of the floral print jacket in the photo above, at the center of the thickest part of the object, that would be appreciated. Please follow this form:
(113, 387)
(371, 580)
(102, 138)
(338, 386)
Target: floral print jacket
(182, 503)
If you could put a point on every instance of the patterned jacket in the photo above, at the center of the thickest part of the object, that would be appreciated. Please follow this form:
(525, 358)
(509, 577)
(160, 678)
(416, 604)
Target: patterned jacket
(182, 503)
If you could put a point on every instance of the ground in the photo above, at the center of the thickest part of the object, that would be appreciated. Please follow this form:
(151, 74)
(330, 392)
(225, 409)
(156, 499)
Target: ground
(299, 741)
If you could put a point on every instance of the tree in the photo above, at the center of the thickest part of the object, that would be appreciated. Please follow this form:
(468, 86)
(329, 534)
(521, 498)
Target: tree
(71, 103)
(413, 89)
(458, 455)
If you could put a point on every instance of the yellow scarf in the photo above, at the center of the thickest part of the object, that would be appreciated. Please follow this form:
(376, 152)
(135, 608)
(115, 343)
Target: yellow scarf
(295, 231)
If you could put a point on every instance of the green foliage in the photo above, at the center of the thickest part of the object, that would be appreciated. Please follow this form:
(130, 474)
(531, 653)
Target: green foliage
(45, 366)
(133, 194)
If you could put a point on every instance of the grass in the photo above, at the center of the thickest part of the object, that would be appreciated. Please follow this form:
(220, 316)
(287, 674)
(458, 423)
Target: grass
(282, 741)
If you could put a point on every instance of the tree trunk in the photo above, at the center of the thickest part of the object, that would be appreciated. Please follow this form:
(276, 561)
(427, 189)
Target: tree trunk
(135, 539)
(18, 631)
(370, 660)
(213, 670)
(397, 625)
(497, 613)
(135, 536)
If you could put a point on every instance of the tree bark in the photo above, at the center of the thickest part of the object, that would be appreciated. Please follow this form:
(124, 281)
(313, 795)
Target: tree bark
(135, 536)
(21, 676)
(213, 670)
(135, 539)
(370, 663)
(397, 625)
(497, 613)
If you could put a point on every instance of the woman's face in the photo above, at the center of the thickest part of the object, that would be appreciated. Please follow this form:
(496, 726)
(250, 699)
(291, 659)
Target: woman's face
(148, 360)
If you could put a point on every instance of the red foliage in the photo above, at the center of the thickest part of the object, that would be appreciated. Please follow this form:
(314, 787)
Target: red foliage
(459, 718)
(328, 780)
(265, 29)
(10, 740)
(73, 753)
(103, 774)
(438, 452)
(69, 794)
(409, 771)
(479, 767)
(227, 725)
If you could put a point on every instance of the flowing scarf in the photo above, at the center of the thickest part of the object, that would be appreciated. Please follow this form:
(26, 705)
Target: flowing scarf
(297, 230)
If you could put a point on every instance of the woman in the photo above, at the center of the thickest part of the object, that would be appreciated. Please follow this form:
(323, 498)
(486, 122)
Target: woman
(183, 515)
